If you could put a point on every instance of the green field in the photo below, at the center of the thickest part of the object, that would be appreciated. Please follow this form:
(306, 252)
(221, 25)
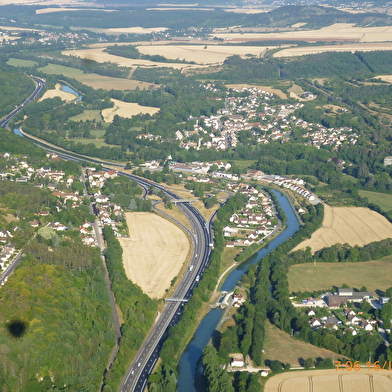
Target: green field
(90, 115)
(97, 142)
(241, 164)
(21, 63)
(383, 200)
(282, 347)
(323, 276)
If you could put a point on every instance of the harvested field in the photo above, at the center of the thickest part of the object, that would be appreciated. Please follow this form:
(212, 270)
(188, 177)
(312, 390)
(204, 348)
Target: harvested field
(57, 92)
(385, 78)
(247, 10)
(97, 54)
(137, 30)
(126, 110)
(338, 32)
(280, 346)
(269, 89)
(351, 225)
(330, 380)
(323, 276)
(201, 54)
(96, 81)
(364, 47)
(50, 10)
(175, 213)
(154, 253)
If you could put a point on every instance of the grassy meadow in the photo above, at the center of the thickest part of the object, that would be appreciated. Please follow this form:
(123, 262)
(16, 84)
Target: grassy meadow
(94, 80)
(280, 346)
(323, 276)
(89, 115)
(21, 63)
(383, 200)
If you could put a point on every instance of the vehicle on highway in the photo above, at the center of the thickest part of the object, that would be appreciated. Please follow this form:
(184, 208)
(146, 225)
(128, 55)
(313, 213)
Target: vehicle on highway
(197, 278)
(191, 267)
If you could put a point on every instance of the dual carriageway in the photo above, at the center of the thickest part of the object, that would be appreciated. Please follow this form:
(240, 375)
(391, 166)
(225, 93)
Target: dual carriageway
(137, 374)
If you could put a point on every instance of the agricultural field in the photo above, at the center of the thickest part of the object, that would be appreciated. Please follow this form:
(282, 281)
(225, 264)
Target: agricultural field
(351, 225)
(363, 46)
(201, 54)
(57, 92)
(95, 81)
(88, 115)
(126, 110)
(330, 380)
(97, 54)
(337, 32)
(21, 63)
(154, 252)
(280, 346)
(385, 78)
(323, 276)
(383, 200)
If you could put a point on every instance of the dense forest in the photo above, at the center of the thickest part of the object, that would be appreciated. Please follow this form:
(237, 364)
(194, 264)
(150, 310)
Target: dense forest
(59, 299)
(15, 88)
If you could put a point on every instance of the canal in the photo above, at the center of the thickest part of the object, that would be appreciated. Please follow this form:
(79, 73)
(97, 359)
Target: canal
(190, 357)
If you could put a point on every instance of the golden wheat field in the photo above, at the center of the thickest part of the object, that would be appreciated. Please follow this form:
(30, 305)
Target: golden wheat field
(331, 380)
(336, 32)
(363, 46)
(154, 252)
(97, 54)
(126, 110)
(352, 225)
(201, 54)
(57, 92)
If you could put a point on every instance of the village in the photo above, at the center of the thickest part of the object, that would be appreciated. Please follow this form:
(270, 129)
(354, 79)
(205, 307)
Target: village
(69, 191)
(342, 309)
(250, 109)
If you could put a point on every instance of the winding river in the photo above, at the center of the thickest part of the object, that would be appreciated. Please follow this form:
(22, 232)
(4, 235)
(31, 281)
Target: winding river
(190, 357)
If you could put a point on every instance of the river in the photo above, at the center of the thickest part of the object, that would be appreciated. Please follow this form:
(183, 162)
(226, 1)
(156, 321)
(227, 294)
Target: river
(68, 89)
(190, 357)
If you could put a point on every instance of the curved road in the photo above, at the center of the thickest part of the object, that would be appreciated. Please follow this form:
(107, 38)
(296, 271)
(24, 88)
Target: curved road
(137, 374)
(39, 86)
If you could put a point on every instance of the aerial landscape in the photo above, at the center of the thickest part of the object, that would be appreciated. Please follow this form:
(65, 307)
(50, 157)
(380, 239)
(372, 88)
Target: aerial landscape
(195, 196)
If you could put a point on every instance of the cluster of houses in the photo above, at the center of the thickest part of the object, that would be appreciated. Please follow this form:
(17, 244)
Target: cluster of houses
(255, 222)
(105, 211)
(20, 171)
(103, 208)
(349, 321)
(97, 179)
(295, 185)
(6, 250)
(250, 109)
(319, 135)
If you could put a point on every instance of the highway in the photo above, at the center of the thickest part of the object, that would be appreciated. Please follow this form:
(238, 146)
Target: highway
(39, 86)
(141, 367)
